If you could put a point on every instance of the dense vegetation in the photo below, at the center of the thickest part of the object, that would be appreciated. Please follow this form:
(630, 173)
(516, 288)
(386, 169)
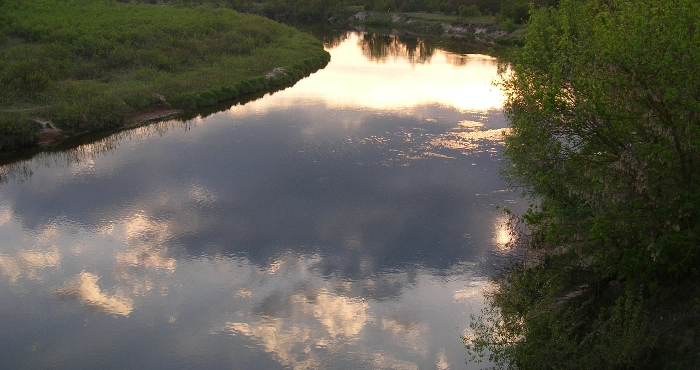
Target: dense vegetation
(87, 65)
(478, 23)
(516, 10)
(604, 102)
(513, 9)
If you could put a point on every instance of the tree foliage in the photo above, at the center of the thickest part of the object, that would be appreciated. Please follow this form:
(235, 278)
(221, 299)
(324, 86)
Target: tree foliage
(301, 9)
(604, 104)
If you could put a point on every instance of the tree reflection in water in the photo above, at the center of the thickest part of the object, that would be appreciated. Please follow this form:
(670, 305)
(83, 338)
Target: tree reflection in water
(379, 48)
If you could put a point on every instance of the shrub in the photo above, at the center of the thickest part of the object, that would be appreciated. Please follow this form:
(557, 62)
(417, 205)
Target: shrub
(508, 25)
(469, 11)
(16, 129)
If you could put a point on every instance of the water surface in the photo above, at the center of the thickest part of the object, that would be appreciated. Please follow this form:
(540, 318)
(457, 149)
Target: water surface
(347, 222)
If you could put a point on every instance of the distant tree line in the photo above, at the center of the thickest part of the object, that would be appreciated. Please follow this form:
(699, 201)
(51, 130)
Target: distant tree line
(516, 10)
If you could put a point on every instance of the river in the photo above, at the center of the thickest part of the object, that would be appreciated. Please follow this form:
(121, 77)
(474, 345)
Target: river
(347, 222)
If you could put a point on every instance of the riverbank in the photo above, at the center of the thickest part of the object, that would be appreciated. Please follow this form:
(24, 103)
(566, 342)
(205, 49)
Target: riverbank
(73, 67)
(482, 32)
(490, 25)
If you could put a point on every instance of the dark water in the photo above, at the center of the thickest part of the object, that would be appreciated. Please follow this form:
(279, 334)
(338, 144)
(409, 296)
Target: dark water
(347, 222)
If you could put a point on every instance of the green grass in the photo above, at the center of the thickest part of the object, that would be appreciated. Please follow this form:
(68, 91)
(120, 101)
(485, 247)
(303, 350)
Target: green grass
(88, 65)
(486, 19)
(433, 16)
(355, 8)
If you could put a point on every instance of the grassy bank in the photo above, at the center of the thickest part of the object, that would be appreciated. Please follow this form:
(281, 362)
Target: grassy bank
(90, 65)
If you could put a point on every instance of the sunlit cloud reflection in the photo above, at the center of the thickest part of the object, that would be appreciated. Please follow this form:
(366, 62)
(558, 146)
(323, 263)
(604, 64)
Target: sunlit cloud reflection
(340, 315)
(467, 141)
(287, 307)
(407, 334)
(5, 215)
(85, 289)
(322, 318)
(279, 340)
(314, 322)
(28, 263)
(502, 235)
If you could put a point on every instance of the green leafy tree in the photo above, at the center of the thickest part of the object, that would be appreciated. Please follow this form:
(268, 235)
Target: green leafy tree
(604, 104)
(517, 10)
(301, 9)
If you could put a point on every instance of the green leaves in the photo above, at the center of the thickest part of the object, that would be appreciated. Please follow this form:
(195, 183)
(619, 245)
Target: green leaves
(603, 101)
(597, 109)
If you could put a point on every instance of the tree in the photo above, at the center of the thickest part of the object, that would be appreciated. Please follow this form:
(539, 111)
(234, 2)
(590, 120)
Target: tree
(301, 9)
(604, 104)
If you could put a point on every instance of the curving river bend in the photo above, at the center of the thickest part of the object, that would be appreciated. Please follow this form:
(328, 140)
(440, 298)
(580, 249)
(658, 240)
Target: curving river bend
(347, 222)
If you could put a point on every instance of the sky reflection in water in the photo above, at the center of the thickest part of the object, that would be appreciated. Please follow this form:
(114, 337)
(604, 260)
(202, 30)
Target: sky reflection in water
(347, 222)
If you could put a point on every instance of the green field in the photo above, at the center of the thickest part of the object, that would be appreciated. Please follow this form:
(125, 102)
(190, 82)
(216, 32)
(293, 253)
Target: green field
(89, 65)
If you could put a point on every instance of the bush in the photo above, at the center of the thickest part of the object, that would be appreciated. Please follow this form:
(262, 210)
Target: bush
(517, 10)
(469, 11)
(508, 25)
(16, 129)
(379, 22)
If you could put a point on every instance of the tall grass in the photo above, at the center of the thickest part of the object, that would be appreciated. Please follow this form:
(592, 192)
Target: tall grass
(89, 64)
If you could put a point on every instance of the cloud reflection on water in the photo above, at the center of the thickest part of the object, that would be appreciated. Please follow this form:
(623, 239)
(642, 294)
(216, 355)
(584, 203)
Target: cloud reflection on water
(289, 307)
(85, 289)
(313, 319)
(336, 224)
(312, 325)
(28, 263)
